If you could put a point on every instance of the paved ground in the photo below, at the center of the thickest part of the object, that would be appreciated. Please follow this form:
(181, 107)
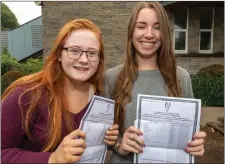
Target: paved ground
(214, 142)
(210, 114)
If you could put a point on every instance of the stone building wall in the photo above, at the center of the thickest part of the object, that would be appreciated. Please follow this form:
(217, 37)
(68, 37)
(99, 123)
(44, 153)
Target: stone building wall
(112, 18)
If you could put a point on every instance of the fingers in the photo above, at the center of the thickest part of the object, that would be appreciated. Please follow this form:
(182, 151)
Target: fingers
(110, 142)
(75, 134)
(133, 129)
(194, 149)
(114, 127)
(134, 145)
(112, 138)
(197, 153)
(112, 133)
(137, 139)
(196, 142)
(132, 141)
(129, 148)
(74, 143)
(199, 135)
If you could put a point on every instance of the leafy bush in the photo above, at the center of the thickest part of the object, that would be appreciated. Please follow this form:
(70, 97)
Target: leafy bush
(210, 89)
(8, 78)
(212, 70)
(31, 66)
(12, 69)
(8, 62)
(27, 67)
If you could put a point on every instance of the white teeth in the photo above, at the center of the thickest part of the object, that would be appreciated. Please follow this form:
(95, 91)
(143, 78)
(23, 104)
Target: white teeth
(81, 69)
(147, 43)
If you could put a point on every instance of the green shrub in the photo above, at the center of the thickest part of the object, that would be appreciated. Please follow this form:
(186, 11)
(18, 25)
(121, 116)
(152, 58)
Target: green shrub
(31, 66)
(8, 78)
(8, 63)
(212, 70)
(210, 89)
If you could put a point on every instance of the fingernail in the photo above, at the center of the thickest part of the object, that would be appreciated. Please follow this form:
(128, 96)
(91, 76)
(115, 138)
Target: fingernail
(110, 128)
(106, 136)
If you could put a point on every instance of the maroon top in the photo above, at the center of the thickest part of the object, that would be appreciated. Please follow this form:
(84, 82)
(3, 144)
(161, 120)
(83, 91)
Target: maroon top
(16, 147)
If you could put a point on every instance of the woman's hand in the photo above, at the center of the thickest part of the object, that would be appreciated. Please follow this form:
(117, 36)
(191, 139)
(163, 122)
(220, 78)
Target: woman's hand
(196, 147)
(132, 142)
(111, 135)
(70, 149)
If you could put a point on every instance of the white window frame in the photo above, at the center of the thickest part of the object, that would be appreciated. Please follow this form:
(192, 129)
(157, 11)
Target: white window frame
(207, 30)
(186, 37)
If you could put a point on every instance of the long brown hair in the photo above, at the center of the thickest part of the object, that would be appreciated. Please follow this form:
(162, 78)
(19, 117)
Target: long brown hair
(51, 78)
(165, 60)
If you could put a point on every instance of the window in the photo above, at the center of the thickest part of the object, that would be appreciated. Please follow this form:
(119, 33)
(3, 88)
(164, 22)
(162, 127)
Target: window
(206, 30)
(36, 33)
(180, 30)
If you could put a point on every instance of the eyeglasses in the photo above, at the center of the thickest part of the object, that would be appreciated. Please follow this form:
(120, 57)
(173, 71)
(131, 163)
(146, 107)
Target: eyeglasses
(74, 53)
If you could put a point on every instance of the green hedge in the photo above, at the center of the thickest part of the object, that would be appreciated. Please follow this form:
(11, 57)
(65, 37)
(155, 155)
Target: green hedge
(31, 65)
(210, 89)
(8, 63)
(11, 69)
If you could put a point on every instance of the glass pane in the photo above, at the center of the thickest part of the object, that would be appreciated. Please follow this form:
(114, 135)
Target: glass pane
(180, 40)
(180, 19)
(206, 15)
(205, 41)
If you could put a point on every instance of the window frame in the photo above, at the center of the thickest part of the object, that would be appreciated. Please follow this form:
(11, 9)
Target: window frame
(207, 30)
(186, 36)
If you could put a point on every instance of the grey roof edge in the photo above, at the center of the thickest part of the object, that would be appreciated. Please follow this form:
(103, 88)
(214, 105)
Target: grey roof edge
(165, 3)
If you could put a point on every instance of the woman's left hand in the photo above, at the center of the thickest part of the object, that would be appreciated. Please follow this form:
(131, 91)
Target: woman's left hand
(111, 135)
(196, 147)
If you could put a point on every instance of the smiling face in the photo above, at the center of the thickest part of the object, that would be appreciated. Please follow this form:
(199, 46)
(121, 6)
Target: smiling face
(146, 37)
(80, 69)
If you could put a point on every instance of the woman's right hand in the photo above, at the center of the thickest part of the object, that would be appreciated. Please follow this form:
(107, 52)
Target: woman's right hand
(132, 142)
(70, 149)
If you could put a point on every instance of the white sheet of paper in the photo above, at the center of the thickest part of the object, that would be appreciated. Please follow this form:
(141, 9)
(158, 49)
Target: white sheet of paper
(96, 121)
(168, 124)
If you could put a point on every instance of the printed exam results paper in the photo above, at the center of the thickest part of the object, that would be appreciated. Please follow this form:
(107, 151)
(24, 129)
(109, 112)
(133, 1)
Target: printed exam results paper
(96, 121)
(168, 124)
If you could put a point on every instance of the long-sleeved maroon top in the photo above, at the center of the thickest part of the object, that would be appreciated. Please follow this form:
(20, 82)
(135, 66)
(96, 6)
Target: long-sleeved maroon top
(16, 147)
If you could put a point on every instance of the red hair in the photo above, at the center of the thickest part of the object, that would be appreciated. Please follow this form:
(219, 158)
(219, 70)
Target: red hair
(50, 80)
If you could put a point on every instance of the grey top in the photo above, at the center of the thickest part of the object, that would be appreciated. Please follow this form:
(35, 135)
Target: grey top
(148, 82)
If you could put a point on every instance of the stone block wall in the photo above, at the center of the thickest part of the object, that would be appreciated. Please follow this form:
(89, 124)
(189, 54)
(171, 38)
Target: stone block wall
(112, 18)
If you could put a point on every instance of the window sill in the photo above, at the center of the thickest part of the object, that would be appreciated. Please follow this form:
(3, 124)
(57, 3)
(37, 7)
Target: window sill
(196, 54)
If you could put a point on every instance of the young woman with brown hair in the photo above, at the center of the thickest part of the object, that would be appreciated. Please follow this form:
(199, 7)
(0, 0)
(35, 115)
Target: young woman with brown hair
(41, 112)
(150, 68)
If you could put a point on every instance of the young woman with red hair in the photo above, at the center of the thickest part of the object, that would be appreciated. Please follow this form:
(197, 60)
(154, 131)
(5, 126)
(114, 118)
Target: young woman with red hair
(41, 112)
